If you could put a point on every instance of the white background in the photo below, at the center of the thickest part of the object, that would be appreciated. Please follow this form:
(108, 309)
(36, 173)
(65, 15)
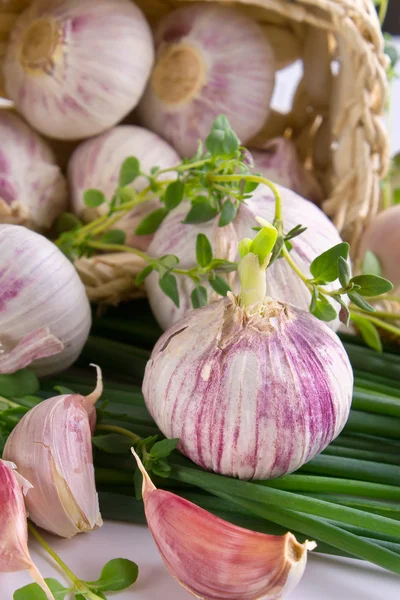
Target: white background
(326, 578)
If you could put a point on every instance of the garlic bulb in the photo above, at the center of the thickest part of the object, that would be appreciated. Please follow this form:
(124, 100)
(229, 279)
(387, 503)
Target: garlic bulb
(52, 447)
(74, 68)
(14, 553)
(96, 164)
(33, 191)
(382, 238)
(210, 60)
(250, 392)
(279, 162)
(212, 558)
(174, 237)
(44, 312)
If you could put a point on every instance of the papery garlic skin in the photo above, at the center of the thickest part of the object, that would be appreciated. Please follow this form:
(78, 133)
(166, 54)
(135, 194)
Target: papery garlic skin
(278, 161)
(14, 553)
(53, 449)
(250, 393)
(210, 60)
(74, 69)
(174, 237)
(41, 295)
(33, 191)
(96, 164)
(211, 558)
(383, 239)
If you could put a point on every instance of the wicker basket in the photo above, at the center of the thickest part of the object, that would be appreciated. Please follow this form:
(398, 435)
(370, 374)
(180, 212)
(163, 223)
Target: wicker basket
(335, 122)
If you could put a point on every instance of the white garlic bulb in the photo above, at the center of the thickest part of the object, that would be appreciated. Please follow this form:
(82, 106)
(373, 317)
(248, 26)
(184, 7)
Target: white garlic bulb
(174, 237)
(210, 60)
(44, 312)
(74, 68)
(250, 392)
(96, 164)
(33, 191)
(278, 161)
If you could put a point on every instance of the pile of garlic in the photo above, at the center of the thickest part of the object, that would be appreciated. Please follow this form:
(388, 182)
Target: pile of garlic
(74, 69)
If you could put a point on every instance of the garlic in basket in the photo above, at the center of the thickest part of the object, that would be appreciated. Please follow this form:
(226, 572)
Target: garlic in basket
(33, 191)
(96, 164)
(210, 60)
(211, 558)
(44, 312)
(174, 237)
(74, 68)
(52, 447)
(14, 553)
(252, 387)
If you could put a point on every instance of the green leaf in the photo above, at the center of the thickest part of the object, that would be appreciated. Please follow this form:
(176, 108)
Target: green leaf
(368, 331)
(21, 383)
(143, 274)
(118, 574)
(161, 468)
(228, 213)
(112, 443)
(97, 592)
(372, 285)
(204, 253)
(223, 266)
(199, 296)
(151, 222)
(371, 264)
(276, 251)
(125, 195)
(360, 302)
(325, 268)
(314, 298)
(344, 313)
(67, 222)
(114, 236)
(222, 140)
(250, 186)
(324, 310)
(174, 194)
(34, 592)
(200, 212)
(344, 272)
(63, 391)
(396, 196)
(169, 286)
(219, 285)
(129, 171)
(298, 230)
(93, 198)
(164, 448)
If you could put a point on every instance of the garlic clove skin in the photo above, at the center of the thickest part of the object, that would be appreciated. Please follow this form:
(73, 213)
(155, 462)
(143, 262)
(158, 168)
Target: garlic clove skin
(74, 72)
(36, 345)
(253, 394)
(173, 237)
(33, 191)
(39, 290)
(210, 60)
(96, 164)
(278, 161)
(211, 558)
(14, 553)
(52, 447)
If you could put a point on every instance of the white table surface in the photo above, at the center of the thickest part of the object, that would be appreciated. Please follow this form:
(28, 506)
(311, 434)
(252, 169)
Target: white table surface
(326, 578)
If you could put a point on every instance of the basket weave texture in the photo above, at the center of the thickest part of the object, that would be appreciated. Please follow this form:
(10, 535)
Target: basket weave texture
(335, 121)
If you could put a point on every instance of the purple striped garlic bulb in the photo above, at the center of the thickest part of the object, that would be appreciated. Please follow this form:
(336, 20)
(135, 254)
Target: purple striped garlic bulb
(96, 164)
(251, 392)
(210, 60)
(33, 191)
(74, 68)
(278, 161)
(174, 237)
(45, 315)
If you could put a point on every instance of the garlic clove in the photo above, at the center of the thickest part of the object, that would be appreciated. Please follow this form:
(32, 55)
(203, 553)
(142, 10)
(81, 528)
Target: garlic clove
(52, 447)
(213, 559)
(37, 344)
(14, 553)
